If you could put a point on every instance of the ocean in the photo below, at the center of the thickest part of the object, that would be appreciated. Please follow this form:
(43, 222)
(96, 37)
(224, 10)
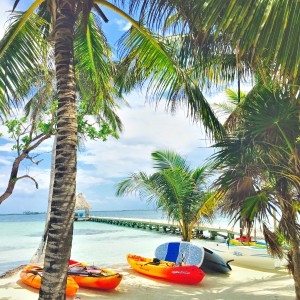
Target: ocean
(97, 243)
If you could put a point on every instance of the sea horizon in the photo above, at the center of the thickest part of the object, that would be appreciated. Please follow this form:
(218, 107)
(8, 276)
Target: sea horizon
(110, 210)
(93, 242)
(21, 234)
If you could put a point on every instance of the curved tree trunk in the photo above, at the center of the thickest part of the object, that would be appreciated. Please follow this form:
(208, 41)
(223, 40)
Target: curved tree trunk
(60, 230)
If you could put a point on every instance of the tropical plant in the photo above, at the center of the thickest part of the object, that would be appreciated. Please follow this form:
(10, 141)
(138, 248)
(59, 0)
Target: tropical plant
(258, 31)
(175, 76)
(66, 23)
(97, 96)
(230, 108)
(175, 188)
(258, 162)
(27, 137)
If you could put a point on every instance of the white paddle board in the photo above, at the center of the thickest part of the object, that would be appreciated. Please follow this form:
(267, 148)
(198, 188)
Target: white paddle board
(180, 252)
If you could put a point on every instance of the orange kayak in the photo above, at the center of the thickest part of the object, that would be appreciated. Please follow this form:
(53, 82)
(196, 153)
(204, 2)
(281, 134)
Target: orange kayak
(93, 277)
(167, 270)
(32, 276)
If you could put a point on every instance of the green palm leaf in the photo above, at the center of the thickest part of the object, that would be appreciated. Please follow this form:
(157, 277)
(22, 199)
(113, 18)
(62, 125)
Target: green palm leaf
(94, 74)
(175, 188)
(167, 159)
(20, 51)
(261, 30)
(146, 63)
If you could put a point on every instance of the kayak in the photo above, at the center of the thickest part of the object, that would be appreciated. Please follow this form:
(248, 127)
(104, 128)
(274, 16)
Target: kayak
(251, 243)
(253, 256)
(215, 262)
(32, 276)
(166, 270)
(89, 276)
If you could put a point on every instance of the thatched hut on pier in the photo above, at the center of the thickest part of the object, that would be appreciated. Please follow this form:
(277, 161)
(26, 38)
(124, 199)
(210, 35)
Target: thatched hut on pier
(80, 205)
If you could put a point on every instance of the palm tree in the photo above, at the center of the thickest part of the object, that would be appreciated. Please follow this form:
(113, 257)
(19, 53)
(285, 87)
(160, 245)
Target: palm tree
(180, 191)
(258, 162)
(258, 31)
(66, 165)
(65, 17)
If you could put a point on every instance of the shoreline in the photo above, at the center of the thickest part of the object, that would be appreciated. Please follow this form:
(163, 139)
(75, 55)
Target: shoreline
(241, 283)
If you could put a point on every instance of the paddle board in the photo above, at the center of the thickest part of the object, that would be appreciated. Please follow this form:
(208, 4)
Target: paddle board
(180, 252)
(215, 262)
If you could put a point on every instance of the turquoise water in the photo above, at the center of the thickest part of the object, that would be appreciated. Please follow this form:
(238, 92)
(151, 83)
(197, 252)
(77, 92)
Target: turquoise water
(98, 243)
(93, 242)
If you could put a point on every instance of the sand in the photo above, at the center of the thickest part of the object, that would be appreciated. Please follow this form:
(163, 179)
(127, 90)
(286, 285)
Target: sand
(240, 284)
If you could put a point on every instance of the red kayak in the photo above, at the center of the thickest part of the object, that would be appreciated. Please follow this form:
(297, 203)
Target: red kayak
(167, 270)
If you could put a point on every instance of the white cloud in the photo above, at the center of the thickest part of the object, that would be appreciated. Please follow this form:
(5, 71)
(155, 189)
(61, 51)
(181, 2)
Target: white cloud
(122, 24)
(6, 147)
(6, 5)
(27, 185)
(5, 161)
(145, 130)
(87, 178)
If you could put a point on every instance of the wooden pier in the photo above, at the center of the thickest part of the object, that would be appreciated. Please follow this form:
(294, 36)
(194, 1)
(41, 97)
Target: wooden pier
(164, 226)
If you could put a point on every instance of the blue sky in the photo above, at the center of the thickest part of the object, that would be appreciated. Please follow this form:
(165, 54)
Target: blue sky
(102, 164)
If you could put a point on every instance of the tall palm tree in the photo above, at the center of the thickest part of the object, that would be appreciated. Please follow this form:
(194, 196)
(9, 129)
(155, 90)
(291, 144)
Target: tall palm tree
(258, 162)
(66, 162)
(180, 191)
(65, 17)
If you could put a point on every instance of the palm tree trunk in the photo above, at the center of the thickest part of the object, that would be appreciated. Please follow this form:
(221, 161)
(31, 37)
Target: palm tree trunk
(60, 230)
(296, 266)
(185, 232)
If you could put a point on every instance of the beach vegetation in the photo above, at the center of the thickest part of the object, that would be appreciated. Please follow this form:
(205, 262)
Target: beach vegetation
(181, 192)
(39, 124)
(76, 43)
(242, 33)
(96, 117)
(259, 166)
(260, 31)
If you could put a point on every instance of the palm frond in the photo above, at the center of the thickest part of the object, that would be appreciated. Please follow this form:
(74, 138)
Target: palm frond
(271, 238)
(154, 64)
(95, 71)
(260, 30)
(200, 175)
(167, 159)
(20, 53)
(255, 27)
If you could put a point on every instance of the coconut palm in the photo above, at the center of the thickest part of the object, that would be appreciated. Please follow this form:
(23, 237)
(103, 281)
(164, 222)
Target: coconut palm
(175, 188)
(94, 94)
(258, 162)
(257, 31)
(65, 17)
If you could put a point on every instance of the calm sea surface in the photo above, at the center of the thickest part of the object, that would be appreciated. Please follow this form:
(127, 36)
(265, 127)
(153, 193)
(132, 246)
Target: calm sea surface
(98, 243)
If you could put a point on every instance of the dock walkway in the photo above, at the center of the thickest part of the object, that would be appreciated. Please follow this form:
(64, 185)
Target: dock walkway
(164, 226)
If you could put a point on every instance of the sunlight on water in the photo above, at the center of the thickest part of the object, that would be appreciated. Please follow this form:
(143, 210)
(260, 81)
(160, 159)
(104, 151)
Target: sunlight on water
(20, 235)
(97, 243)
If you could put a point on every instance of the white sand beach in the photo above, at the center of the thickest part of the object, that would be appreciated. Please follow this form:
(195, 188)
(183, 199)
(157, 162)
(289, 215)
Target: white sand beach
(240, 283)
